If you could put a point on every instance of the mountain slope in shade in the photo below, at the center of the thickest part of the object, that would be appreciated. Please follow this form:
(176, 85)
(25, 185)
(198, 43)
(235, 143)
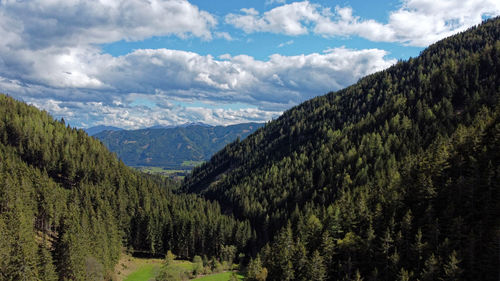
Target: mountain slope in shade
(394, 178)
(173, 147)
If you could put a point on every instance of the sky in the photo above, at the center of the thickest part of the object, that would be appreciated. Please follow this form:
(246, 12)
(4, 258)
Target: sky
(141, 63)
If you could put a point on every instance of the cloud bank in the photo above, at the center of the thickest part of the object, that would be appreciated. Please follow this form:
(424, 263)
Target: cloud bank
(415, 23)
(111, 84)
(50, 56)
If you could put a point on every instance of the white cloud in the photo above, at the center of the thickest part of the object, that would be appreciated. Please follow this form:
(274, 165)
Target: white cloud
(135, 117)
(163, 75)
(241, 78)
(54, 42)
(49, 56)
(42, 23)
(287, 43)
(290, 19)
(223, 35)
(180, 74)
(416, 23)
(270, 2)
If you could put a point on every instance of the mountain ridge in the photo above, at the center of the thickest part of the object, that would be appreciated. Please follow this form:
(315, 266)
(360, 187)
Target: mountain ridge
(356, 178)
(173, 147)
(91, 131)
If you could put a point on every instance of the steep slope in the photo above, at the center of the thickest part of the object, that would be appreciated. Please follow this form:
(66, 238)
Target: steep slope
(393, 178)
(172, 147)
(68, 205)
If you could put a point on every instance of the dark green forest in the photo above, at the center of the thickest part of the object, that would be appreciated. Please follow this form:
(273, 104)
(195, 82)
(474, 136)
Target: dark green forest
(171, 147)
(394, 178)
(68, 206)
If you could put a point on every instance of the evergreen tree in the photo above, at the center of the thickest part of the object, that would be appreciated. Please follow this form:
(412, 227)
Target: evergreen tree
(452, 270)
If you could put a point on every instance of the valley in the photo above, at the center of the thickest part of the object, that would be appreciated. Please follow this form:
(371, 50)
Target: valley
(131, 268)
(396, 177)
(178, 148)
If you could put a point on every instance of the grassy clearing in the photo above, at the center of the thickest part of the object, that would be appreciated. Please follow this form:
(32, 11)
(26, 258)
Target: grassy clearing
(185, 265)
(166, 172)
(144, 273)
(139, 269)
(224, 276)
(136, 269)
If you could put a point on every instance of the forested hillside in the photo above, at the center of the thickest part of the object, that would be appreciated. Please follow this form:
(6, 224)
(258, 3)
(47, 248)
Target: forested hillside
(173, 147)
(68, 205)
(394, 178)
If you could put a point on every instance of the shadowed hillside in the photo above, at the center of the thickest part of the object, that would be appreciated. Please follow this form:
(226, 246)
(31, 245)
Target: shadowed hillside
(393, 178)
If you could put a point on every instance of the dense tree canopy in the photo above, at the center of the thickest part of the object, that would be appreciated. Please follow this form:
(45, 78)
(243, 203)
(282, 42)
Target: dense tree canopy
(68, 205)
(393, 178)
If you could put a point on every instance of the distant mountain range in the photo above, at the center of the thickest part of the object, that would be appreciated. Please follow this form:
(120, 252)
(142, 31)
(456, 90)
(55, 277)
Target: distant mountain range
(178, 147)
(97, 129)
(92, 131)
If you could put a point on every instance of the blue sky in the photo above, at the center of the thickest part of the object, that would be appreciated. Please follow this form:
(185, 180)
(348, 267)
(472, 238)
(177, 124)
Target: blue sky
(136, 64)
(262, 45)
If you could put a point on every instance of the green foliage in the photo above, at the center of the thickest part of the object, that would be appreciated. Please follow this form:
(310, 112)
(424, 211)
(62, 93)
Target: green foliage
(145, 272)
(68, 205)
(197, 265)
(391, 175)
(228, 253)
(169, 258)
(255, 271)
(225, 276)
(316, 268)
(394, 178)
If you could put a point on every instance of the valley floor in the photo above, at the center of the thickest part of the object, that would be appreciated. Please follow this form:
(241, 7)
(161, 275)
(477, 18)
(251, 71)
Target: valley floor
(136, 269)
(130, 268)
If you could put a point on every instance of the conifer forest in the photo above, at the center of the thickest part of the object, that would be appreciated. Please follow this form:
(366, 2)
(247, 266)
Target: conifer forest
(396, 177)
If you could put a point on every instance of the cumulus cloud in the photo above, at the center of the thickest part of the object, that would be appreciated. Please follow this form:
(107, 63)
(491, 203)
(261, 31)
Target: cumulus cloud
(86, 114)
(180, 74)
(50, 57)
(53, 42)
(290, 19)
(416, 22)
(268, 86)
(281, 79)
(43, 23)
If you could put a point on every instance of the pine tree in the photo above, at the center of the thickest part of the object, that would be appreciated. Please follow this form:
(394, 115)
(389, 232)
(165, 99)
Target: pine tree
(452, 270)
(317, 269)
(431, 269)
(47, 270)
